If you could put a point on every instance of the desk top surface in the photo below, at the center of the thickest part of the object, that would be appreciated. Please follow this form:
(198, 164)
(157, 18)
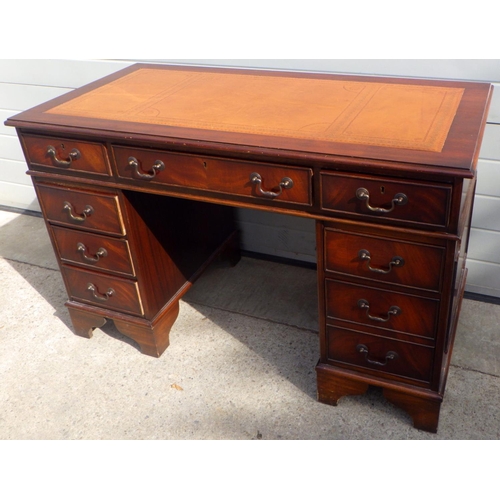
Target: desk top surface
(419, 121)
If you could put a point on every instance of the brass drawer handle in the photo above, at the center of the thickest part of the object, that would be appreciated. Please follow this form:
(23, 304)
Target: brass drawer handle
(393, 311)
(74, 154)
(395, 262)
(363, 194)
(286, 183)
(157, 167)
(97, 294)
(88, 210)
(361, 348)
(102, 252)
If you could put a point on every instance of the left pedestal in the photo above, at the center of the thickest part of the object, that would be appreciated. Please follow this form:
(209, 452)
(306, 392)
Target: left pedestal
(129, 257)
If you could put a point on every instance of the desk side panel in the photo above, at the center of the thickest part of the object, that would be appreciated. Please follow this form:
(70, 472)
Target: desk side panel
(171, 241)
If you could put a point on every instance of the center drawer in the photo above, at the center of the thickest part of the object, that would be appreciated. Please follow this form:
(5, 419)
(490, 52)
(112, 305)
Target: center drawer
(257, 180)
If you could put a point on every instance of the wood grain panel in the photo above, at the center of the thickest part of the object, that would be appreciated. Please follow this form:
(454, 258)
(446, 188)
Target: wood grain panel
(418, 315)
(109, 292)
(427, 204)
(422, 264)
(92, 157)
(216, 175)
(409, 360)
(105, 214)
(117, 253)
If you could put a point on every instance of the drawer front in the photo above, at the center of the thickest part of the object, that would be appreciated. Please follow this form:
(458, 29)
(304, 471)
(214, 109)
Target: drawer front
(273, 183)
(81, 208)
(380, 354)
(103, 290)
(381, 259)
(67, 154)
(425, 204)
(99, 252)
(381, 309)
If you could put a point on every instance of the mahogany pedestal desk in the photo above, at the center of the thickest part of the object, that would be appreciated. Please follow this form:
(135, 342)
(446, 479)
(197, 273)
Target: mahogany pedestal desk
(137, 176)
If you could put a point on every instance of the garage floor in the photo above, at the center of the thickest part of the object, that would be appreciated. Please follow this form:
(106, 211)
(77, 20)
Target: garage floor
(240, 364)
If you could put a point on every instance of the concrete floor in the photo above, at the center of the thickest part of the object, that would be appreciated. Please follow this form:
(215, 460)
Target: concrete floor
(240, 364)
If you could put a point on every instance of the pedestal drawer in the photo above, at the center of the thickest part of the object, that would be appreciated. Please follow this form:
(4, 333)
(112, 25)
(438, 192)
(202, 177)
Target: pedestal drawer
(67, 154)
(423, 203)
(93, 250)
(381, 354)
(81, 208)
(265, 181)
(384, 259)
(381, 309)
(103, 290)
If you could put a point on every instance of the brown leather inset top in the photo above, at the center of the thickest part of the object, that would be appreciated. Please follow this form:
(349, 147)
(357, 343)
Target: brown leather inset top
(374, 113)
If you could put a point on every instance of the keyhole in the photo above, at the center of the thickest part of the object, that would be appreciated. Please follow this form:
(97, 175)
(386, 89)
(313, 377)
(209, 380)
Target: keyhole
(204, 164)
(382, 189)
(62, 146)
